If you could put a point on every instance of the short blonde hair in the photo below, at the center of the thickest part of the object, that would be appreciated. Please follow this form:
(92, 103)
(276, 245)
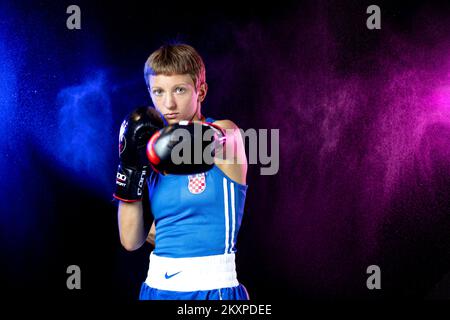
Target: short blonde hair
(172, 59)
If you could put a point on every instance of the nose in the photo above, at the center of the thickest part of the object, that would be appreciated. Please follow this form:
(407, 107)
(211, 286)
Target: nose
(169, 102)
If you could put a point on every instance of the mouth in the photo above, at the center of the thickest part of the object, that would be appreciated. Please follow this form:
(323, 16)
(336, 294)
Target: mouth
(171, 115)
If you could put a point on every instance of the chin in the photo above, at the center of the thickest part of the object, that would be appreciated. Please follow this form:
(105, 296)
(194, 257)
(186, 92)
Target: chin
(172, 121)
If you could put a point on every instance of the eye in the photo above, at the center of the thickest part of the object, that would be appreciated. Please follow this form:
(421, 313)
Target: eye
(180, 90)
(157, 92)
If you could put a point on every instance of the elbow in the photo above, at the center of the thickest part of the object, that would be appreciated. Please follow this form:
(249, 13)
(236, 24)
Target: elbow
(129, 248)
(130, 245)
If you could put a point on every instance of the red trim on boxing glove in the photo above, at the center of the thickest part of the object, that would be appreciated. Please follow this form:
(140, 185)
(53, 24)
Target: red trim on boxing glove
(125, 200)
(151, 154)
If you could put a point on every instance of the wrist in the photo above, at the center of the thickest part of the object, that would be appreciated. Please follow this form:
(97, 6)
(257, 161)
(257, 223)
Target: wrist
(130, 183)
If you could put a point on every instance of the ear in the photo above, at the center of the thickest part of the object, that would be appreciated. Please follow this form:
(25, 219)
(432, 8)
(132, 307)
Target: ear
(202, 92)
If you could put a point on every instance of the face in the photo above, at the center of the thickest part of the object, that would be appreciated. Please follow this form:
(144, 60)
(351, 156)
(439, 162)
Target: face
(175, 97)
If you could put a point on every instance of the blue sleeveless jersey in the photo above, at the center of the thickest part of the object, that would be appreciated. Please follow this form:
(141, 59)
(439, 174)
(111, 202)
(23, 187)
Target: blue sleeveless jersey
(196, 215)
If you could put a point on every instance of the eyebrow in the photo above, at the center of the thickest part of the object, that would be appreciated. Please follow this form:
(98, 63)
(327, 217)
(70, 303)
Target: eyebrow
(175, 85)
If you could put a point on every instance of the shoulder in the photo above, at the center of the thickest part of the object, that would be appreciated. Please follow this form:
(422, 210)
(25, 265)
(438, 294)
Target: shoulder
(226, 124)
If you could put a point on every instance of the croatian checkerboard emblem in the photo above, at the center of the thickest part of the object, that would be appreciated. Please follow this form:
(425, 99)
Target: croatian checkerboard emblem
(197, 183)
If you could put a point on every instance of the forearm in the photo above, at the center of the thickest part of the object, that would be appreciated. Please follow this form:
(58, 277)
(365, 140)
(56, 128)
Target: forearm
(151, 235)
(131, 225)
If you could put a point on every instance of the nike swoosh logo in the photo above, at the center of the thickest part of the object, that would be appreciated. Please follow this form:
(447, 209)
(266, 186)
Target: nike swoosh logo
(172, 275)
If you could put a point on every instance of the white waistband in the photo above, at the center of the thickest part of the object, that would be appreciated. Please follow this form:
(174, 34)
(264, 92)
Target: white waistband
(192, 274)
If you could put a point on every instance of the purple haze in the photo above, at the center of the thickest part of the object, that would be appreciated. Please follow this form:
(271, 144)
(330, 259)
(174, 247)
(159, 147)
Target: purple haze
(364, 146)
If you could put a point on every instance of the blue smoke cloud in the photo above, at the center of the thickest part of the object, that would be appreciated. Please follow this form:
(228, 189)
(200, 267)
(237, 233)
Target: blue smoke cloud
(84, 132)
(10, 52)
(8, 91)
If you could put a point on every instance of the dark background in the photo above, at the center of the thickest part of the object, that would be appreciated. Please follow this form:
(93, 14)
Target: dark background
(364, 120)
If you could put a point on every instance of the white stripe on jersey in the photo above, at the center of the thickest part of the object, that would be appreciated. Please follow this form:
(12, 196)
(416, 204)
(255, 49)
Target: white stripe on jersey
(227, 219)
(233, 215)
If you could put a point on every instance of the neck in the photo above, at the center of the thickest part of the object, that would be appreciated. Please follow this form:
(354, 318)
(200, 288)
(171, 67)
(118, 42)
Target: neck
(199, 118)
(198, 115)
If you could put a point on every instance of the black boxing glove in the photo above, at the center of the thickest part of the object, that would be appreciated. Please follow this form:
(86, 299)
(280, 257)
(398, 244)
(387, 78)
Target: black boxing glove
(133, 169)
(185, 147)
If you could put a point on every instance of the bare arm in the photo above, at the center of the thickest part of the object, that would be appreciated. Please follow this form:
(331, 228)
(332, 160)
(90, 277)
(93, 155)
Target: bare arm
(232, 159)
(131, 225)
(152, 234)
